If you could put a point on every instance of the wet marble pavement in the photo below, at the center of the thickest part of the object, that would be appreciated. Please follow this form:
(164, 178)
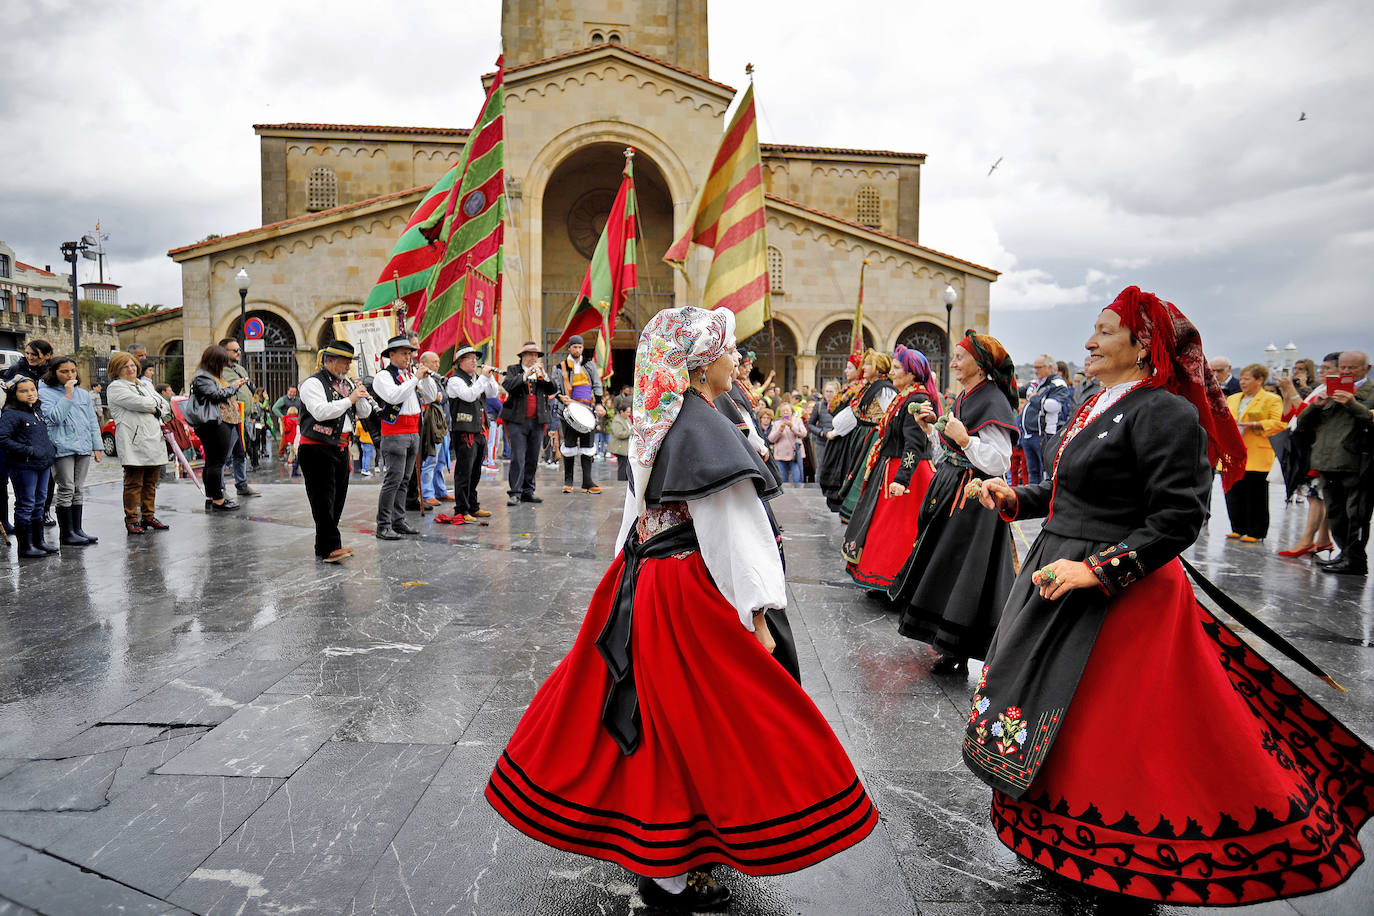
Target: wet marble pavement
(210, 721)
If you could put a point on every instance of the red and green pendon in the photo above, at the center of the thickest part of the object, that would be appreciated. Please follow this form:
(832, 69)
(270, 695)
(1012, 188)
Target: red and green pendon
(459, 224)
(611, 273)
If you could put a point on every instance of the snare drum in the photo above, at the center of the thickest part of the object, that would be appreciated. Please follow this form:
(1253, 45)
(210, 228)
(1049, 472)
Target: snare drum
(579, 416)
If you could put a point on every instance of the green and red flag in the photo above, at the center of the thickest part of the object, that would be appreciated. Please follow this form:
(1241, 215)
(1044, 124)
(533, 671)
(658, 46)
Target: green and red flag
(728, 216)
(456, 232)
(611, 273)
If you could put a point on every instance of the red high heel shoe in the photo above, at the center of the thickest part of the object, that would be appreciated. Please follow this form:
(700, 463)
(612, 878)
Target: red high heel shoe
(1298, 551)
(1323, 548)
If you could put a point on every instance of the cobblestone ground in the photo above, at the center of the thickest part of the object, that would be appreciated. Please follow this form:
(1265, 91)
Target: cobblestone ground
(208, 720)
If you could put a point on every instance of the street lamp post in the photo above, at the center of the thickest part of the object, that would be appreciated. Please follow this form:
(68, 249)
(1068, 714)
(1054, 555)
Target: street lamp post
(86, 248)
(241, 281)
(951, 295)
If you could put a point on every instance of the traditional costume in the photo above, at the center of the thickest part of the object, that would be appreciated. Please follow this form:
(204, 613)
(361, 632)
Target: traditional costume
(860, 426)
(668, 738)
(883, 529)
(467, 396)
(578, 379)
(1133, 742)
(399, 446)
(830, 475)
(326, 423)
(953, 585)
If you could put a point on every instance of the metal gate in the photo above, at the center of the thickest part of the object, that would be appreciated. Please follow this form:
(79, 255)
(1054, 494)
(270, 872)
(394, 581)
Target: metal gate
(640, 305)
(275, 368)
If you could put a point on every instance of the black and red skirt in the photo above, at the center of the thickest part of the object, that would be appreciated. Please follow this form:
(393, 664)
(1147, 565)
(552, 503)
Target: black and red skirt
(734, 765)
(889, 523)
(1188, 769)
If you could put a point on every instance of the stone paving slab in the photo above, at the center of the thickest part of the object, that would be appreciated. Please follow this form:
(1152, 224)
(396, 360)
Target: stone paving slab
(158, 832)
(207, 694)
(50, 885)
(272, 736)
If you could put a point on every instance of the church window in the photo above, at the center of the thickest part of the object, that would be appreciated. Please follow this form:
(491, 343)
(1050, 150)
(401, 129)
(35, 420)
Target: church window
(598, 38)
(775, 269)
(613, 38)
(322, 191)
(869, 205)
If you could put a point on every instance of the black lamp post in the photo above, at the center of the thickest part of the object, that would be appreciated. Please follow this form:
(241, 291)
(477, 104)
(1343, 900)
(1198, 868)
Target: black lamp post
(241, 281)
(950, 296)
(86, 248)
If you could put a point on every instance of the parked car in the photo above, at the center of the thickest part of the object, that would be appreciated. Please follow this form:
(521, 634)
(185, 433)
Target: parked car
(9, 358)
(186, 434)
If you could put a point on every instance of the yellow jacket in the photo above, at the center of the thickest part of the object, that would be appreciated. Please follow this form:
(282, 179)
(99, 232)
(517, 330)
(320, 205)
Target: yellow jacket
(1267, 410)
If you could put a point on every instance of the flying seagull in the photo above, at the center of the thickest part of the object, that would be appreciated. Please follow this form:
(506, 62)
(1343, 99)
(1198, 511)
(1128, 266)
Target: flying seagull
(995, 165)
(1302, 116)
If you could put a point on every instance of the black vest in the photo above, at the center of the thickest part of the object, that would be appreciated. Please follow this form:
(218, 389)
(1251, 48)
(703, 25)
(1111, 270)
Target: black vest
(329, 432)
(466, 416)
(389, 412)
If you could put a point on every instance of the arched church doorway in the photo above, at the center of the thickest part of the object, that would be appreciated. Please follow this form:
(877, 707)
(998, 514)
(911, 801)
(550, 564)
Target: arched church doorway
(577, 202)
(275, 367)
(775, 351)
(832, 349)
(929, 339)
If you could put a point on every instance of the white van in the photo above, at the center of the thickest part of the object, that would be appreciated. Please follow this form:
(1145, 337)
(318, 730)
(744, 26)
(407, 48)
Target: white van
(10, 358)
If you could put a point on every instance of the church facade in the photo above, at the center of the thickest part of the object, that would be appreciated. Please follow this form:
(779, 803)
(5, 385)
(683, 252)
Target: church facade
(584, 82)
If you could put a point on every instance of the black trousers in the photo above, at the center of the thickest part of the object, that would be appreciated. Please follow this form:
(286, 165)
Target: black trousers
(218, 440)
(1348, 504)
(1247, 504)
(525, 441)
(325, 470)
(468, 450)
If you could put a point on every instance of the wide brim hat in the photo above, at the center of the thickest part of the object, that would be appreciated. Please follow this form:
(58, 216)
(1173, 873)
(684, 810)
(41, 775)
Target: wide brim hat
(341, 348)
(399, 342)
(464, 351)
(530, 347)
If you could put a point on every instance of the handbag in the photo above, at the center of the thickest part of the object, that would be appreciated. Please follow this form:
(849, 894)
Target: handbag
(199, 412)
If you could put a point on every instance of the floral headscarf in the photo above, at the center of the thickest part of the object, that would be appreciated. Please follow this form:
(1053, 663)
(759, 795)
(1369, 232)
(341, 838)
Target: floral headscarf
(992, 358)
(1174, 354)
(674, 342)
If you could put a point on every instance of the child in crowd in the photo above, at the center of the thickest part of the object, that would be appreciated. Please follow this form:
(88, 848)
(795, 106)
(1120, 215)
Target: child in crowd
(290, 425)
(30, 456)
(366, 448)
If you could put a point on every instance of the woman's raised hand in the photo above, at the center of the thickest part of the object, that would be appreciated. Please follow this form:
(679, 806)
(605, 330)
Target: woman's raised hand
(996, 494)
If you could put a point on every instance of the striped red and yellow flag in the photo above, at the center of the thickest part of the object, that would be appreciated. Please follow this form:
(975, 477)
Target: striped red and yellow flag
(728, 217)
(459, 225)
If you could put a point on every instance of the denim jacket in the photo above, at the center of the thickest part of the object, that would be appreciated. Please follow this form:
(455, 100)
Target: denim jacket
(72, 425)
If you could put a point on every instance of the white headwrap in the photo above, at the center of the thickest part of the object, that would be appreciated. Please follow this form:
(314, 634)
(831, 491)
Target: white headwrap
(674, 342)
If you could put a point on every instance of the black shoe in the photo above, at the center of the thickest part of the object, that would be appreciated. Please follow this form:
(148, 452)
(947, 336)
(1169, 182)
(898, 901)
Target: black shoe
(1338, 558)
(512, 500)
(1346, 568)
(702, 894)
(531, 499)
(386, 534)
(36, 537)
(246, 492)
(225, 506)
(77, 514)
(403, 528)
(950, 664)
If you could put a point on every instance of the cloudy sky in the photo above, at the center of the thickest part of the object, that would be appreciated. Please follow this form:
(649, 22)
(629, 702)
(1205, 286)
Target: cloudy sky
(1153, 142)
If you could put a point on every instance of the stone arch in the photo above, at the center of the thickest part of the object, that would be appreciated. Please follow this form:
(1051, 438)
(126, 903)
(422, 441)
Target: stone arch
(832, 349)
(229, 321)
(276, 367)
(323, 322)
(782, 332)
(823, 324)
(928, 337)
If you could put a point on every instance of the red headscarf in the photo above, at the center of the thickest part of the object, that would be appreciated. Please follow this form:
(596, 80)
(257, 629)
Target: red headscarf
(1174, 351)
(992, 358)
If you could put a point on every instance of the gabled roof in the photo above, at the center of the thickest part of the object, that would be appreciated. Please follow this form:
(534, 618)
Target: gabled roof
(784, 149)
(38, 270)
(300, 126)
(157, 317)
(296, 224)
(602, 50)
(888, 239)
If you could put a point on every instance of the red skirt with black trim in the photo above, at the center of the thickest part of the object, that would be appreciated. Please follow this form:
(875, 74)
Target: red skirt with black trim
(735, 764)
(892, 530)
(1190, 770)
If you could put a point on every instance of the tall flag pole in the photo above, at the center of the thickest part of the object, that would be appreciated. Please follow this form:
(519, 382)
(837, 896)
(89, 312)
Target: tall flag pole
(856, 330)
(449, 257)
(728, 217)
(612, 272)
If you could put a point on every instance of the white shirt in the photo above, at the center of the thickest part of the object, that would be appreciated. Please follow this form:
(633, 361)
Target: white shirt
(989, 451)
(316, 402)
(737, 547)
(481, 386)
(845, 422)
(404, 393)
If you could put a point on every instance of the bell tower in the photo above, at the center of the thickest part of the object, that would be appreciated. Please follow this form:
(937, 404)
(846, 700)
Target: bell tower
(671, 30)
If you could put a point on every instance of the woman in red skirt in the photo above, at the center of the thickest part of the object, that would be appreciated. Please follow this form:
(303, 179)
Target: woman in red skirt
(883, 530)
(669, 739)
(1133, 742)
